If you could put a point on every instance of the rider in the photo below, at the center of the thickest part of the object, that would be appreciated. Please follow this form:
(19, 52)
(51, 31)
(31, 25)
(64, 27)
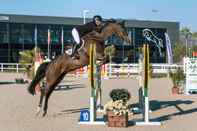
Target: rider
(79, 31)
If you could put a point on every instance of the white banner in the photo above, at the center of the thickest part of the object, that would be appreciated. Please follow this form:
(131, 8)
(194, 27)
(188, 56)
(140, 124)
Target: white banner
(191, 75)
(169, 49)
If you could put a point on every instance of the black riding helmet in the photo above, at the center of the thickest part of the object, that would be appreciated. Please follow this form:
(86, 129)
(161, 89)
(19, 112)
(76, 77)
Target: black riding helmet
(97, 17)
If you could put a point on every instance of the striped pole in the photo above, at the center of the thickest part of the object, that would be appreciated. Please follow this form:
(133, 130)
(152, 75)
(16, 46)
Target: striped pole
(145, 99)
(93, 82)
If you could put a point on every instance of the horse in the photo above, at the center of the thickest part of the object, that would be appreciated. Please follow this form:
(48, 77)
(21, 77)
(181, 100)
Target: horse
(55, 70)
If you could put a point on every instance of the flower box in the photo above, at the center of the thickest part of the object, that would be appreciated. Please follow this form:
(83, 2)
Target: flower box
(175, 90)
(117, 120)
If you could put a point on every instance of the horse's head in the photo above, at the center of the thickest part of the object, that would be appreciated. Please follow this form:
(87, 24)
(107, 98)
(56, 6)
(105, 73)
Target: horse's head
(112, 27)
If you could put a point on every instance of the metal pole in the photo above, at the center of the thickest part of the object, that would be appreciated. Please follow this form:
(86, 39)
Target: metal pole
(84, 15)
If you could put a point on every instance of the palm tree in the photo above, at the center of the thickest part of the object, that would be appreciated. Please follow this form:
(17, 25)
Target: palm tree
(110, 52)
(27, 59)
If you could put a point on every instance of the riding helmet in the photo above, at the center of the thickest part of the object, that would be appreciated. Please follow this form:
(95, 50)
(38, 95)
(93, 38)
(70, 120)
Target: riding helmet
(98, 17)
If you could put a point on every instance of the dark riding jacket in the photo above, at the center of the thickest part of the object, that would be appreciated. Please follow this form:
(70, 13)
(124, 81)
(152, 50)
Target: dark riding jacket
(87, 28)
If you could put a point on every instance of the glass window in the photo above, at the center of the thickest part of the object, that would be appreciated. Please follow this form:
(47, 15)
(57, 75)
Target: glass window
(3, 33)
(16, 33)
(68, 39)
(42, 34)
(55, 34)
(29, 33)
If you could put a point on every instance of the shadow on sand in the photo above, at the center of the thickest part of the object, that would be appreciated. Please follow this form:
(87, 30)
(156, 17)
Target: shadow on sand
(65, 87)
(69, 111)
(6, 82)
(156, 105)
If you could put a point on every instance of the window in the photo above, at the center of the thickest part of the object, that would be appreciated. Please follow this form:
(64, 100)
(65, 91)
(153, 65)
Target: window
(16, 33)
(28, 31)
(42, 35)
(55, 34)
(3, 33)
(68, 39)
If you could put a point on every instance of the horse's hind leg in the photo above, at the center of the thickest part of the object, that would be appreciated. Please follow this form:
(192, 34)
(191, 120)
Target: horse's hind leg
(40, 102)
(47, 95)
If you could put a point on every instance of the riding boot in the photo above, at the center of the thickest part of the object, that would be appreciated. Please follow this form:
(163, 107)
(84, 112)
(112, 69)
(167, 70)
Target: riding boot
(75, 54)
(74, 50)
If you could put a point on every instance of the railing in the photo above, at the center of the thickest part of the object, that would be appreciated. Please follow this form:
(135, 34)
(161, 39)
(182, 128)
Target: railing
(111, 69)
(129, 69)
(15, 67)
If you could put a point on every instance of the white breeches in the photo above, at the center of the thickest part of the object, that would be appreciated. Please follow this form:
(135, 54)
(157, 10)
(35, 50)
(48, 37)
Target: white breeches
(75, 35)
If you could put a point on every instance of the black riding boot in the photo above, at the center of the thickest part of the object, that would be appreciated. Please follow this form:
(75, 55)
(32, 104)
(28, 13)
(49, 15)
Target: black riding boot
(74, 50)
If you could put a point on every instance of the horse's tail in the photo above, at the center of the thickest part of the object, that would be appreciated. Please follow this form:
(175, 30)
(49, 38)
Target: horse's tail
(40, 73)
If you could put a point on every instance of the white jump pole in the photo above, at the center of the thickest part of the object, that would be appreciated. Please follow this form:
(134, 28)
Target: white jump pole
(93, 114)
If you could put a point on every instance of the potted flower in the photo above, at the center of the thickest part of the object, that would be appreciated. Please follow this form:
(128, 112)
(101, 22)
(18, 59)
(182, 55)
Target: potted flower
(117, 108)
(177, 78)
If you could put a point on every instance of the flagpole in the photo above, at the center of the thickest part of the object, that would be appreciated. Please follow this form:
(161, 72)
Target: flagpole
(62, 40)
(49, 37)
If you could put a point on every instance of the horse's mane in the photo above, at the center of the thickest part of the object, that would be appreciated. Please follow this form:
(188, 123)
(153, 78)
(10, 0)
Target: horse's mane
(107, 22)
(110, 21)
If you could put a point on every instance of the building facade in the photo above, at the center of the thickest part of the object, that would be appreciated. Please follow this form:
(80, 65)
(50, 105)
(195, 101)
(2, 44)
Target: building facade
(23, 32)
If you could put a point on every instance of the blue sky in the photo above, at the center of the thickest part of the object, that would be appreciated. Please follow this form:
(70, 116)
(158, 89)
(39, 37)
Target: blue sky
(182, 11)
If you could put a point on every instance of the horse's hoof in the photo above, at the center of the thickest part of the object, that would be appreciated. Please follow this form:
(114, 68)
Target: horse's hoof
(44, 114)
(38, 111)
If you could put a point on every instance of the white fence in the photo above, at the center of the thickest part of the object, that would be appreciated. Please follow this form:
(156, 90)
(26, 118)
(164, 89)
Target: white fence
(128, 69)
(111, 69)
(14, 67)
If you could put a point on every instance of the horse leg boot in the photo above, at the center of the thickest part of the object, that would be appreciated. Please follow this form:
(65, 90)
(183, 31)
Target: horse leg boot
(40, 102)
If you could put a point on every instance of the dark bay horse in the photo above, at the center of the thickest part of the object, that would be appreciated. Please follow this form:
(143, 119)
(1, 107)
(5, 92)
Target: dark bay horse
(55, 70)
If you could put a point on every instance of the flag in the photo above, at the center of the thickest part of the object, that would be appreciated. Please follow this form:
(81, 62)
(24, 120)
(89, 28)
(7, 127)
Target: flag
(49, 41)
(62, 40)
(49, 37)
(62, 36)
(169, 49)
(35, 36)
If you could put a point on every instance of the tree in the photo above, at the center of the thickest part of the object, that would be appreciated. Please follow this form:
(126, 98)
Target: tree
(184, 31)
(194, 35)
(110, 52)
(28, 57)
(178, 52)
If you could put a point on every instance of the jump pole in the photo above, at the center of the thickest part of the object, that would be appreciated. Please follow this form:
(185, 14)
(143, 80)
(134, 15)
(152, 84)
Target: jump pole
(145, 99)
(93, 109)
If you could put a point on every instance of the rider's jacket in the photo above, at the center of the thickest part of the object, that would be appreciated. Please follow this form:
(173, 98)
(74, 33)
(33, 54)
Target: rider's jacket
(87, 28)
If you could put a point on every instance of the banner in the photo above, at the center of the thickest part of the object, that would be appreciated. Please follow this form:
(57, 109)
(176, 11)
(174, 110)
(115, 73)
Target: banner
(169, 49)
(49, 41)
(49, 37)
(35, 36)
(62, 40)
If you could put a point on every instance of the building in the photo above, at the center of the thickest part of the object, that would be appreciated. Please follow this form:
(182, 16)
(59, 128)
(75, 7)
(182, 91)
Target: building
(23, 32)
